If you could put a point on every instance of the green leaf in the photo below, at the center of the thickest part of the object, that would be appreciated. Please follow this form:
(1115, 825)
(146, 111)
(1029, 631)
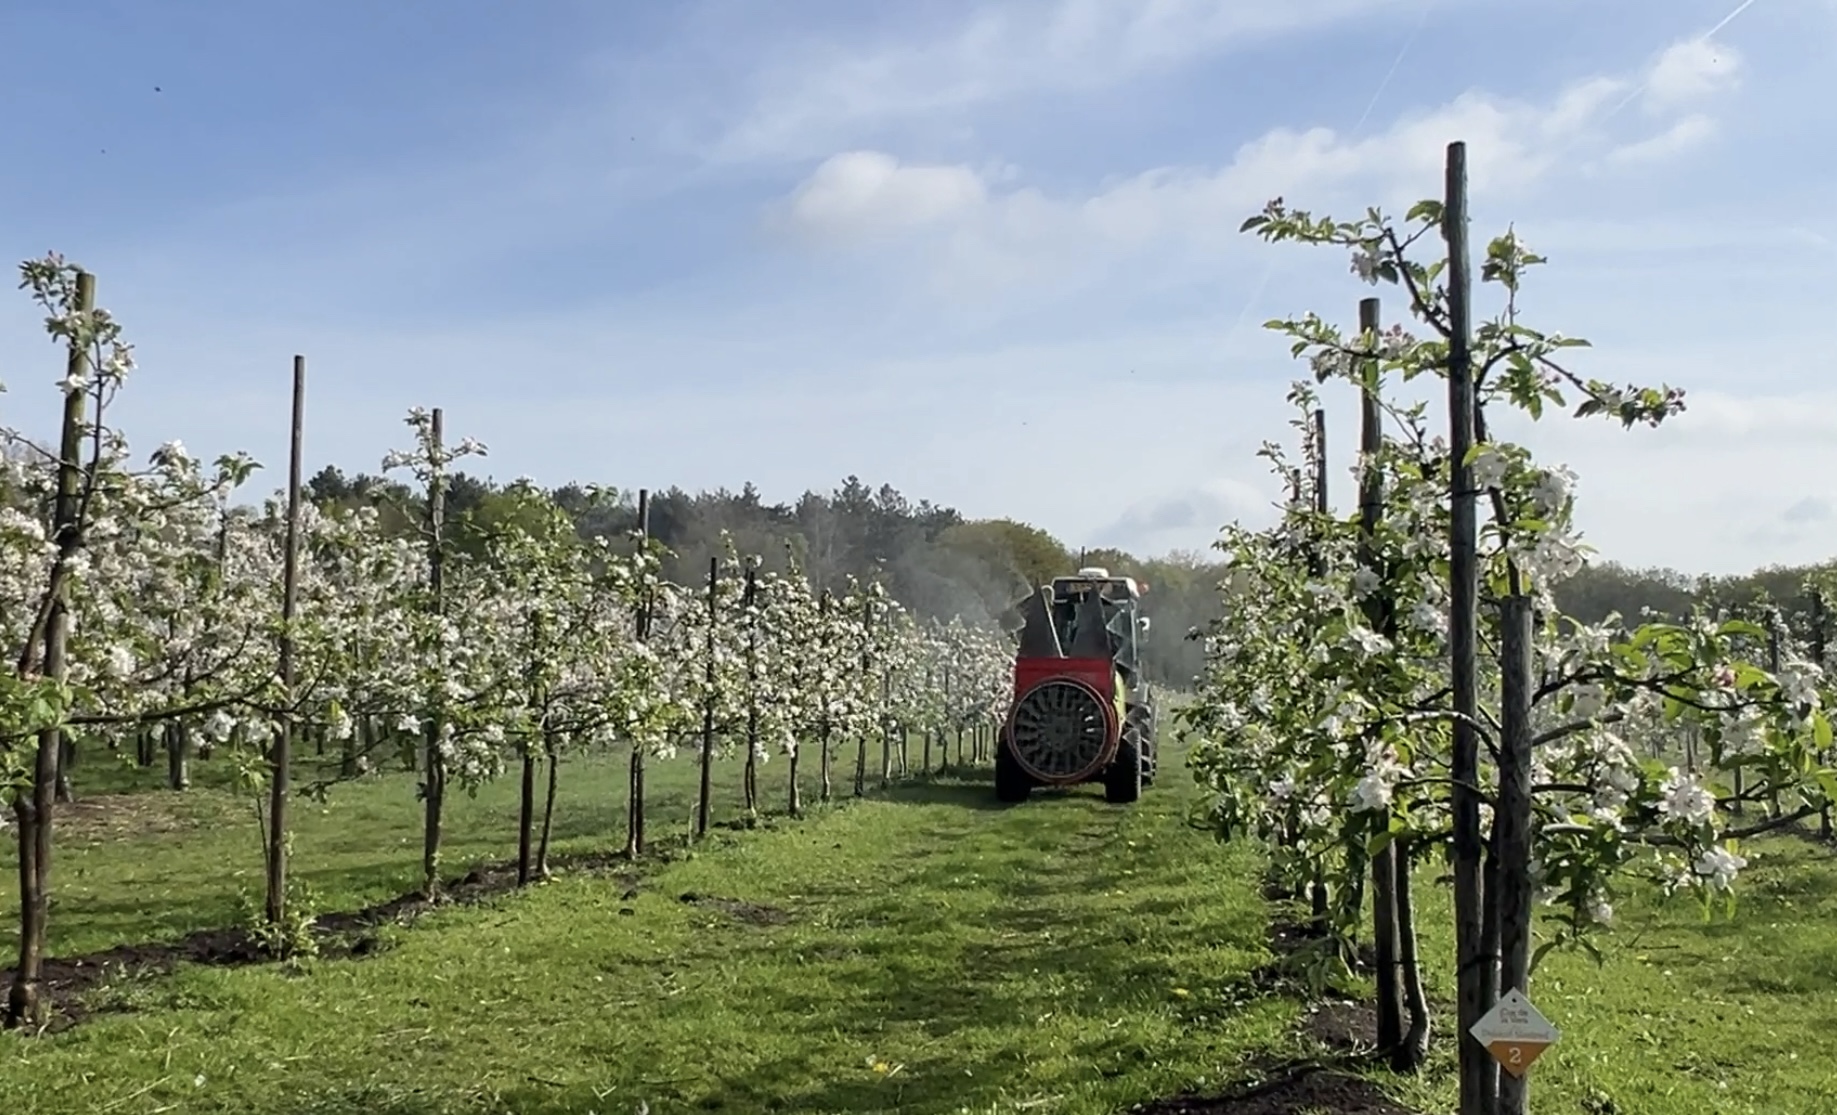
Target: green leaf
(1429, 209)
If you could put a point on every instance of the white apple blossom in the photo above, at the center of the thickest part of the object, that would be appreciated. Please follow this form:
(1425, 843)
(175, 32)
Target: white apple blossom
(1718, 866)
(1684, 797)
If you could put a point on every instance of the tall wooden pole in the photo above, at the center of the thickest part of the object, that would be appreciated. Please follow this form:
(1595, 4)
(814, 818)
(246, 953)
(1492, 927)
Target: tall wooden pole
(280, 760)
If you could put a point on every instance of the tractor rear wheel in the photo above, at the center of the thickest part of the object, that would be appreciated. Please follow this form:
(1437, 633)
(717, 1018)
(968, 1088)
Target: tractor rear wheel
(1011, 782)
(1122, 779)
(1142, 722)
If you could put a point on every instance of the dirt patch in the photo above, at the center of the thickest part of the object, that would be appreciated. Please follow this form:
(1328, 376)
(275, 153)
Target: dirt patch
(66, 981)
(1298, 949)
(1307, 1090)
(1285, 938)
(1343, 1026)
(749, 912)
(77, 986)
(111, 817)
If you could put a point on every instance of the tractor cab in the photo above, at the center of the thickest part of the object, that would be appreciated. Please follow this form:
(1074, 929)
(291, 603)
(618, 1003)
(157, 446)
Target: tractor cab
(1119, 605)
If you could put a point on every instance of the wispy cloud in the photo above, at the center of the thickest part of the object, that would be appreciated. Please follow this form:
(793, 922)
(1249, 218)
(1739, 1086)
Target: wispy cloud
(1689, 72)
(977, 239)
(825, 93)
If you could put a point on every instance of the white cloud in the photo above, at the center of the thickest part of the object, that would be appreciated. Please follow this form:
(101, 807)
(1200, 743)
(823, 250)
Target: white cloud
(1186, 520)
(979, 241)
(865, 194)
(1692, 131)
(824, 95)
(1689, 71)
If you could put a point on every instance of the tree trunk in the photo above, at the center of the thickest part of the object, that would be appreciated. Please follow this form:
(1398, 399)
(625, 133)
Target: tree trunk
(552, 757)
(634, 806)
(886, 730)
(1320, 906)
(178, 756)
(1387, 949)
(65, 793)
(1358, 871)
(347, 753)
(823, 763)
(434, 789)
(32, 812)
(526, 814)
(1413, 1052)
(794, 803)
(750, 596)
(709, 681)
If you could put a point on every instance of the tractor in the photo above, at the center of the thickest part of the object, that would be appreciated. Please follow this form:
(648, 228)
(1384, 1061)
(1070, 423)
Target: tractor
(1081, 711)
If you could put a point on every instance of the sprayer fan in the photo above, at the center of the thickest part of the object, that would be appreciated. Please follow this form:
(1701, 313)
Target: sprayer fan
(1060, 731)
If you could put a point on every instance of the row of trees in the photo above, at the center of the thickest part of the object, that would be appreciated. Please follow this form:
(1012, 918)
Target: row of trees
(1401, 684)
(929, 558)
(140, 602)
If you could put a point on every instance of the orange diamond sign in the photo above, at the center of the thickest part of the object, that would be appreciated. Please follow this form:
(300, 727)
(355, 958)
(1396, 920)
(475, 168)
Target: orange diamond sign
(1515, 1032)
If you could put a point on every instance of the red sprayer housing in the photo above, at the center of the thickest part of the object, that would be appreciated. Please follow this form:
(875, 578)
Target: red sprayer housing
(1082, 687)
(1098, 673)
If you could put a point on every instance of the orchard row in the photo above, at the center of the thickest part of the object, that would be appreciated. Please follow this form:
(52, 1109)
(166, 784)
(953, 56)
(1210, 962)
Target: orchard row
(148, 603)
(1396, 686)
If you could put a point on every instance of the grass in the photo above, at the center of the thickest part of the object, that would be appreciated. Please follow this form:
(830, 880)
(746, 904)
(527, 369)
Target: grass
(919, 951)
(136, 862)
(1686, 1015)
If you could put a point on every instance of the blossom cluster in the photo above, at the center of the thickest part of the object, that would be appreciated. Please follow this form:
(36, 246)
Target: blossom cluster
(1324, 714)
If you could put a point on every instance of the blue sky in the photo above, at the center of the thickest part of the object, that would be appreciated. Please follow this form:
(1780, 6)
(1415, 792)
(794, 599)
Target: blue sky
(704, 243)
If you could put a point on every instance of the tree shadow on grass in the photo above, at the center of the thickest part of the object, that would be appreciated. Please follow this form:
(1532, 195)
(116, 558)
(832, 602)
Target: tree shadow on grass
(981, 993)
(77, 987)
(978, 793)
(930, 1085)
(962, 794)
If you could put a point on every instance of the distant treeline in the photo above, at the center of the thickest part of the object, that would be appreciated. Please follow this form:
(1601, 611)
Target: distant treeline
(940, 564)
(1606, 587)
